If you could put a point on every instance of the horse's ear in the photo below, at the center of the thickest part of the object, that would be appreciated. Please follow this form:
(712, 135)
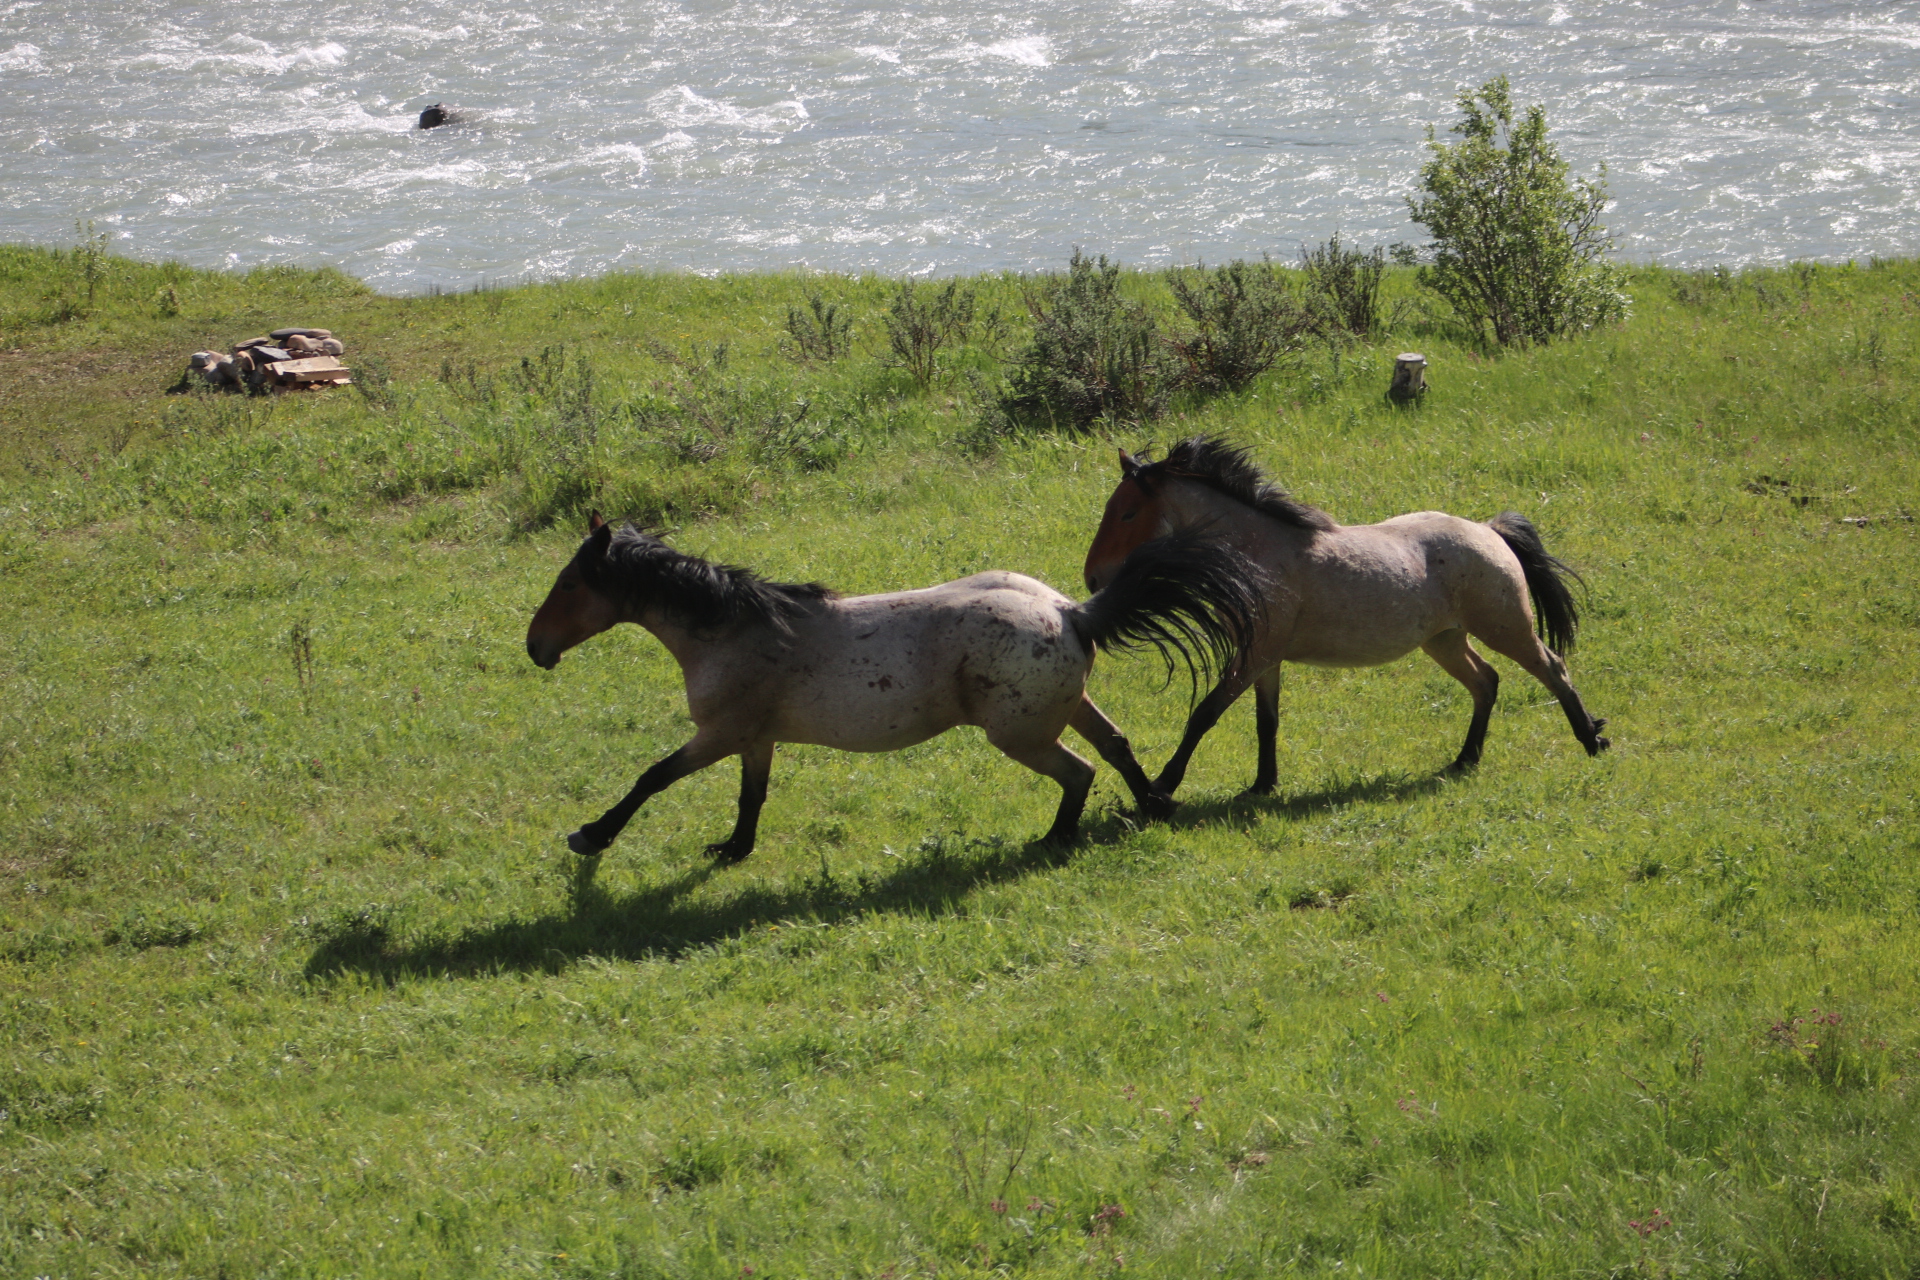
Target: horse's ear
(602, 536)
(594, 522)
(1135, 469)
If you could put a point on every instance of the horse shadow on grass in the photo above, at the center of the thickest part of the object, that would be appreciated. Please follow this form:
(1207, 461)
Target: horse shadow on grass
(1298, 806)
(667, 921)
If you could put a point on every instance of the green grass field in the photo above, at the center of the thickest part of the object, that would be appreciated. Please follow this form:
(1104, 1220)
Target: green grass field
(298, 979)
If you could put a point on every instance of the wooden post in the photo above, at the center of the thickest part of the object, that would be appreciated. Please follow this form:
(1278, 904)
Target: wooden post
(1409, 378)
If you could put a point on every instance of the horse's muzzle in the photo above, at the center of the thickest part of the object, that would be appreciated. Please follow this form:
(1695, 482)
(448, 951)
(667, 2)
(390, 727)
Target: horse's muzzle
(545, 661)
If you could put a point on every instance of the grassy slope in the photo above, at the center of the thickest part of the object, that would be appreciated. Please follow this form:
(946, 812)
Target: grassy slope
(300, 981)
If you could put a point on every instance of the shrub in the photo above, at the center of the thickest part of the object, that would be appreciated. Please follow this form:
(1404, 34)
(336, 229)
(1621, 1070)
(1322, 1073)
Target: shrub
(1244, 319)
(826, 334)
(1518, 249)
(924, 318)
(1345, 284)
(1093, 355)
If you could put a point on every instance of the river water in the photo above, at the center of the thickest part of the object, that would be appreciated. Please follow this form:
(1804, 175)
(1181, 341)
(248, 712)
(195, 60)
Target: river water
(923, 136)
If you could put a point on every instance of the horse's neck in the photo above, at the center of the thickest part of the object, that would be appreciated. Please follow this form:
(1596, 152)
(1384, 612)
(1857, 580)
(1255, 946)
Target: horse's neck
(687, 649)
(1191, 504)
(695, 651)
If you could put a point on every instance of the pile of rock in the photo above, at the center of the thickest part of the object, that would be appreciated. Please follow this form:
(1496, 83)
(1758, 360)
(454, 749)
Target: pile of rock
(284, 360)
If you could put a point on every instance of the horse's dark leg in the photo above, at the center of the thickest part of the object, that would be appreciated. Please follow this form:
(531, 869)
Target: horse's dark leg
(1266, 731)
(595, 836)
(1456, 657)
(1074, 775)
(756, 765)
(1114, 748)
(1204, 717)
(1546, 666)
(1586, 726)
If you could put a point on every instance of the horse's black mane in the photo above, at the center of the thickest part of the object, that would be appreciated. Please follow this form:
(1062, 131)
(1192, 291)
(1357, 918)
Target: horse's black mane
(1230, 469)
(698, 594)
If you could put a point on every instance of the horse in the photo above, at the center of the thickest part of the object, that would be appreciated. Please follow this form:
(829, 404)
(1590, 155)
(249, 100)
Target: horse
(767, 662)
(1351, 596)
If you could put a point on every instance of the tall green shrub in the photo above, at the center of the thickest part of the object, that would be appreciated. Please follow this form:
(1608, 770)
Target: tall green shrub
(1518, 247)
(1243, 320)
(1344, 283)
(1093, 355)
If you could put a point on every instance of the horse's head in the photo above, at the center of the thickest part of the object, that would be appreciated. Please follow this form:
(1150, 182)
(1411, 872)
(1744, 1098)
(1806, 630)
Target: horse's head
(1136, 513)
(574, 610)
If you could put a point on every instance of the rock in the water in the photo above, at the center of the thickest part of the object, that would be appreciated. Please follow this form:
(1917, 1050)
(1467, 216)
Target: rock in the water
(438, 114)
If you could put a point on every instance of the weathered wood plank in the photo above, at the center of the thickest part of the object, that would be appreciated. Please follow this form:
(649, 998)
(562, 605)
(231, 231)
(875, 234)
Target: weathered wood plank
(306, 365)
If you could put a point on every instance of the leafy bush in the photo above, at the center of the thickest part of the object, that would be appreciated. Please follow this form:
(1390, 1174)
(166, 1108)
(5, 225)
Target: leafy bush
(1093, 355)
(1244, 319)
(1345, 284)
(1518, 249)
(924, 318)
(826, 334)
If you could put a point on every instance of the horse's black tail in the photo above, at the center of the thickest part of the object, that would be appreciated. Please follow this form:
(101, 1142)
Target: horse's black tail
(1186, 594)
(1554, 614)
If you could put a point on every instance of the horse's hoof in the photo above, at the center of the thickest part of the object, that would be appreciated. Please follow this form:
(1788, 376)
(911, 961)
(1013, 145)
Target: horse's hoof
(583, 844)
(1460, 768)
(1598, 745)
(1158, 807)
(1258, 791)
(726, 853)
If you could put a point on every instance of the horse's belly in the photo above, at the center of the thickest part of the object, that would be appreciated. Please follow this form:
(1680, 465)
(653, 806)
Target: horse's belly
(866, 710)
(1364, 640)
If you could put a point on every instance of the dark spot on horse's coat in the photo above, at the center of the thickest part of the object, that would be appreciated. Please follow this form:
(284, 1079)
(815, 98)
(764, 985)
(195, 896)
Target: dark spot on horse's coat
(884, 682)
(870, 635)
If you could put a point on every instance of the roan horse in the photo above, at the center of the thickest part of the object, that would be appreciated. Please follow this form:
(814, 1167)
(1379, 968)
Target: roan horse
(1351, 596)
(771, 662)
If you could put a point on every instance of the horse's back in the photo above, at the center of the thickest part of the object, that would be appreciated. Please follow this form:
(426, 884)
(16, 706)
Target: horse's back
(1374, 592)
(993, 581)
(876, 673)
